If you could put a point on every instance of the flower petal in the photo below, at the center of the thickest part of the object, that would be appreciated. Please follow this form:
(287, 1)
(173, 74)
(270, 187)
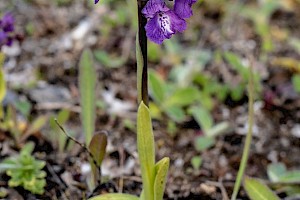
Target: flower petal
(153, 7)
(177, 24)
(163, 25)
(153, 31)
(96, 1)
(183, 8)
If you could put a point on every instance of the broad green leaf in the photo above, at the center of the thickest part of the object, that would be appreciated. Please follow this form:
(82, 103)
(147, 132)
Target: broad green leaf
(161, 172)
(183, 97)
(202, 117)
(146, 150)
(257, 190)
(87, 84)
(157, 87)
(204, 142)
(98, 146)
(115, 196)
(175, 113)
(275, 171)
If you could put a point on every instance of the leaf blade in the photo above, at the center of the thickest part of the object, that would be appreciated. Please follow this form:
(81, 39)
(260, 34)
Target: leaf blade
(257, 190)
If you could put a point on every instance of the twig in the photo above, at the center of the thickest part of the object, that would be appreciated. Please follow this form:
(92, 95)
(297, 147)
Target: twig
(84, 147)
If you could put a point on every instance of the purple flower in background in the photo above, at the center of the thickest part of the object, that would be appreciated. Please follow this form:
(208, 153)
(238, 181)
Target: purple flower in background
(96, 1)
(7, 23)
(7, 34)
(164, 22)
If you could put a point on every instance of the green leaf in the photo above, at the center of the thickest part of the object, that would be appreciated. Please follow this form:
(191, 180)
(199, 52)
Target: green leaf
(161, 171)
(183, 97)
(204, 142)
(98, 146)
(24, 107)
(236, 63)
(203, 117)
(218, 129)
(175, 113)
(157, 87)
(115, 196)
(257, 190)
(109, 60)
(146, 150)
(87, 84)
(196, 162)
(36, 125)
(275, 171)
(296, 82)
(290, 177)
(2, 85)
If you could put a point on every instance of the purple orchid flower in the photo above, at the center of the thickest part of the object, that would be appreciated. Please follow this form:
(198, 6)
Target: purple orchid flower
(164, 22)
(7, 30)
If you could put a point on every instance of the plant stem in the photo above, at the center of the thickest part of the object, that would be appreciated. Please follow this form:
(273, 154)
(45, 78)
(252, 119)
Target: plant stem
(246, 149)
(142, 67)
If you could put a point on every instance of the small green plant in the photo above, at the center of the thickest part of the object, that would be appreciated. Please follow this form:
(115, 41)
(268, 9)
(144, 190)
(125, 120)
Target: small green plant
(25, 170)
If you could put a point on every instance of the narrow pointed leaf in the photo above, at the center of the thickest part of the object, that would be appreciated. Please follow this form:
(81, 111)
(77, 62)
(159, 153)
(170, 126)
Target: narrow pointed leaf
(257, 190)
(87, 84)
(161, 170)
(146, 152)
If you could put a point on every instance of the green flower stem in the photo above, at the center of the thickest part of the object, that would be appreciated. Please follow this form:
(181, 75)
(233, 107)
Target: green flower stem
(141, 50)
(246, 150)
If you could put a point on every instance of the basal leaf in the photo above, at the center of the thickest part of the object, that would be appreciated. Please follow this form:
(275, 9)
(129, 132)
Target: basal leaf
(257, 190)
(146, 150)
(161, 172)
